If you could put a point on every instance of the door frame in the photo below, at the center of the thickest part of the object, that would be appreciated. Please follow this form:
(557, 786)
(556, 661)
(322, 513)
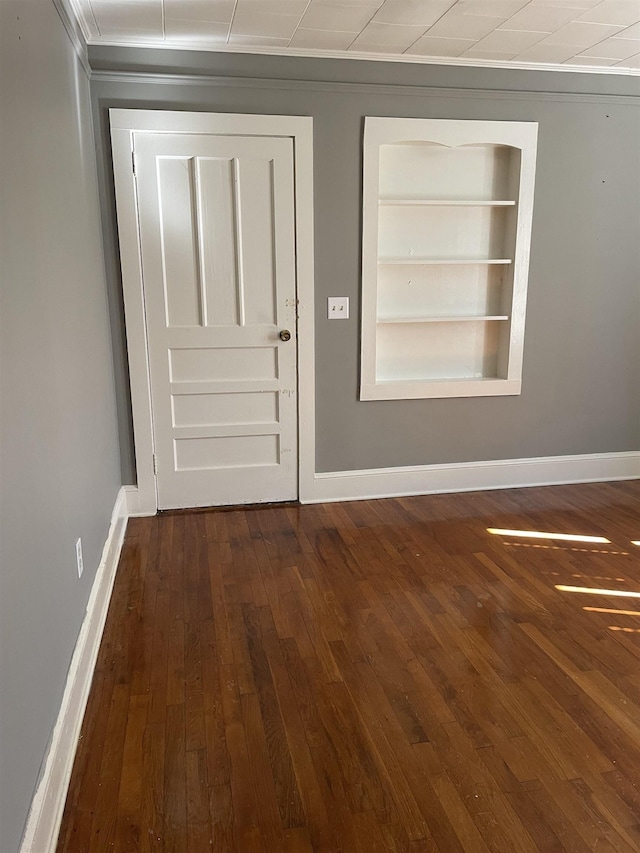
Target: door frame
(124, 123)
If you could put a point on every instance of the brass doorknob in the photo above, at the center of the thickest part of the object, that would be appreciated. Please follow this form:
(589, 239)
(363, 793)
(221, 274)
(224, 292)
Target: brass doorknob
(285, 335)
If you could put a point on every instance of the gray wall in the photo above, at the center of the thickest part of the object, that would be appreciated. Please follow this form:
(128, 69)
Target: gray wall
(582, 347)
(59, 452)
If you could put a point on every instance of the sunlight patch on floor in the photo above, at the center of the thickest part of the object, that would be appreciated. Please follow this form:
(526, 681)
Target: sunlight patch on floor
(538, 534)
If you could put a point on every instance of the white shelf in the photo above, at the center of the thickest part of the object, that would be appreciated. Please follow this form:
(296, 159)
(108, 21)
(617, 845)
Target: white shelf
(445, 382)
(392, 262)
(428, 202)
(482, 318)
(447, 209)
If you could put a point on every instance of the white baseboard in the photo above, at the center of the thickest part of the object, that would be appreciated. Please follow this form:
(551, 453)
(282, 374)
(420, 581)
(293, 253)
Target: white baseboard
(135, 508)
(472, 476)
(43, 824)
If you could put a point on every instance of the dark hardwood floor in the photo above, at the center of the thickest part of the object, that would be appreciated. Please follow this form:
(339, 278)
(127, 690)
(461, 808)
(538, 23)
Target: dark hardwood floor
(370, 676)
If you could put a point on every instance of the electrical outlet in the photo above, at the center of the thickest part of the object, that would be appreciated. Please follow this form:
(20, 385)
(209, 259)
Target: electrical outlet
(79, 557)
(338, 307)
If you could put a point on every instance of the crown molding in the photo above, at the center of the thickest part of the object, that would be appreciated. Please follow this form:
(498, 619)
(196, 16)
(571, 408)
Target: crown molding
(207, 47)
(85, 18)
(71, 22)
(392, 89)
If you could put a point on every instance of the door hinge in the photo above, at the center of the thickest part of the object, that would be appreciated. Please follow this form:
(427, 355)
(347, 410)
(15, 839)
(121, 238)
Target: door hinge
(155, 464)
(133, 163)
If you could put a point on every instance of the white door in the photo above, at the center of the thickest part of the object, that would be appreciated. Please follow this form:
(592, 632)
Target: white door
(216, 221)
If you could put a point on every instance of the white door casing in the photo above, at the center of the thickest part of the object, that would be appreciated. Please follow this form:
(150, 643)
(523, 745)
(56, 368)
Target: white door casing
(210, 249)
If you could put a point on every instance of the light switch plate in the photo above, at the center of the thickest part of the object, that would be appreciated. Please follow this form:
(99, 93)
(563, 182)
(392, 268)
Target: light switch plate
(338, 307)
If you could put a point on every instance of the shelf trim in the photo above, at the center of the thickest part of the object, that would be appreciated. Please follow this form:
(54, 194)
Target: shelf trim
(379, 376)
(424, 202)
(441, 381)
(449, 319)
(421, 262)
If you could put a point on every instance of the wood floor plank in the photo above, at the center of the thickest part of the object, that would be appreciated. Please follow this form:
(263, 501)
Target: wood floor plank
(152, 792)
(262, 777)
(271, 707)
(174, 806)
(222, 818)
(84, 787)
(245, 811)
(199, 834)
(374, 676)
(127, 833)
(105, 811)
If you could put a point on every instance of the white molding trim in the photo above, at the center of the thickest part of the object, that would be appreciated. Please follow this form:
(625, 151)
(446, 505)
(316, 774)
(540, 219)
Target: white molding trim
(377, 379)
(72, 25)
(124, 124)
(83, 14)
(404, 58)
(404, 89)
(43, 823)
(473, 476)
(134, 509)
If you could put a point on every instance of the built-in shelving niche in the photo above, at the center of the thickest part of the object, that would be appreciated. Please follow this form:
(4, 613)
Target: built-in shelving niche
(446, 232)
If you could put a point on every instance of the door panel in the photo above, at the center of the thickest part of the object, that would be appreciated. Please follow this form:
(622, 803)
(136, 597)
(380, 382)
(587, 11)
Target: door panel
(216, 218)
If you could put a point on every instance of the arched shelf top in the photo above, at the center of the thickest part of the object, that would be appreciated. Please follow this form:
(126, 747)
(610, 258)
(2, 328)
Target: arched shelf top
(434, 144)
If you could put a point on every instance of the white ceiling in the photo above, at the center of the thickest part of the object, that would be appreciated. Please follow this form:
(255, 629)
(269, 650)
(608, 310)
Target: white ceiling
(601, 35)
